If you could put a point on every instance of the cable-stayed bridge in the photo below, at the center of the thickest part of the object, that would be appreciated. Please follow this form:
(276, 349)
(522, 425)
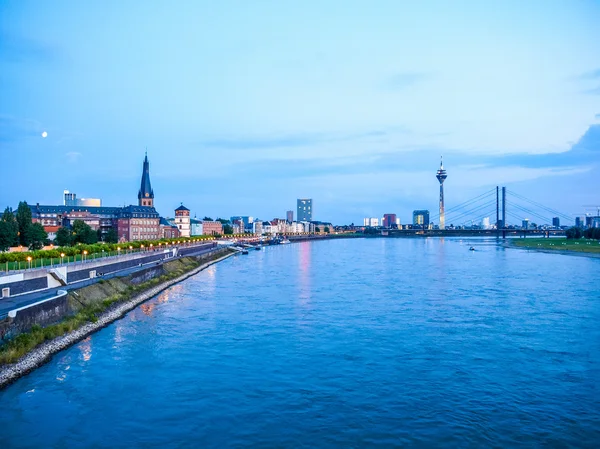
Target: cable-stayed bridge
(498, 211)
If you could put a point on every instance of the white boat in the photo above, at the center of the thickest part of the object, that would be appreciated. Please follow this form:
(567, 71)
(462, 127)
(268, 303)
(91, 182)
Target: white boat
(285, 241)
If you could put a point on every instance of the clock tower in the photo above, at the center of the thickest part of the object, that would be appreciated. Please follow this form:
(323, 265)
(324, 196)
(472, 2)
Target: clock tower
(146, 194)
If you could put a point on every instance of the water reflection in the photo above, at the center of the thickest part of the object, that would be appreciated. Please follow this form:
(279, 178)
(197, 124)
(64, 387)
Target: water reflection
(86, 348)
(304, 272)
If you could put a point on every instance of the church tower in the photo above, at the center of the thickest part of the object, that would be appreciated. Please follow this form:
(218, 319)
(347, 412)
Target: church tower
(146, 194)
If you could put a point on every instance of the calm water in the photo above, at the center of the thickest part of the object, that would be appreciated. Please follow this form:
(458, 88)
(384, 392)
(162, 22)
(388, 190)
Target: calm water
(350, 343)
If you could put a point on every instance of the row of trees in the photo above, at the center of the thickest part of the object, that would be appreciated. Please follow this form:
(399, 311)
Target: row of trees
(18, 229)
(577, 233)
(81, 232)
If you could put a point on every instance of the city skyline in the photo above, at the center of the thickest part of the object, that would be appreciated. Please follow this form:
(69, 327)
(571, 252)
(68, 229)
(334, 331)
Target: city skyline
(354, 113)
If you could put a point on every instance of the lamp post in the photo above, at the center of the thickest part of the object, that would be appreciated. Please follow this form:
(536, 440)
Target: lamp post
(62, 256)
(130, 249)
(29, 260)
(84, 254)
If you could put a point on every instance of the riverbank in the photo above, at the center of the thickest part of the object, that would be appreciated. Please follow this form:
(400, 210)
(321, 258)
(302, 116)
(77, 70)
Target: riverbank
(86, 322)
(581, 247)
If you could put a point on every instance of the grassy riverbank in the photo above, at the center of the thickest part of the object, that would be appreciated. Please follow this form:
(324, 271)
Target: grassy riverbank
(90, 302)
(559, 245)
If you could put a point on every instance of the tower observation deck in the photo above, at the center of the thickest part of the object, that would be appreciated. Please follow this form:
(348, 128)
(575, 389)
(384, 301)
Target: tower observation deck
(441, 177)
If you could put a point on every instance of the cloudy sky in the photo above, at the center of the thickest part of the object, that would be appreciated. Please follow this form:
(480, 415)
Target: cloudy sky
(245, 106)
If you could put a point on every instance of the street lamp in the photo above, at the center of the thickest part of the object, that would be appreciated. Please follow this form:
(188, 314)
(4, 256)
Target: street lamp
(84, 254)
(130, 249)
(62, 256)
(29, 260)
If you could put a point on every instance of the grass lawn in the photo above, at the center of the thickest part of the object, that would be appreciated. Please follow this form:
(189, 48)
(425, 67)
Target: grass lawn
(581, 245)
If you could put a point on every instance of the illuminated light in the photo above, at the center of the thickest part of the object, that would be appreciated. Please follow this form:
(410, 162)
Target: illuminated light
(62, 254)
(44, 134)
(28, 258)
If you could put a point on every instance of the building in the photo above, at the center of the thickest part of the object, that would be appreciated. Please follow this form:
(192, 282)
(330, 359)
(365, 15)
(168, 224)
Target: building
(182, 221)
(70, 199)
(304, 210)
(195, 227)
(441, 177)
(212, 227)
(580, 222)
(140, 222)
(167, 230)
(485, 223)
(525, 223)
(257, 227)
(556, 222)
(389, 221)
(289, 215)
(421, 218)
(368, 221)
(146, 194)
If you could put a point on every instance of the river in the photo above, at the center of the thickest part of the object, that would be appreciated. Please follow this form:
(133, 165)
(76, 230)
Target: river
(339, 343)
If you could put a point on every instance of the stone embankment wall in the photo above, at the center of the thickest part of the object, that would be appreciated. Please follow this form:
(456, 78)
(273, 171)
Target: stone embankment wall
(54, 310)
(44, 352)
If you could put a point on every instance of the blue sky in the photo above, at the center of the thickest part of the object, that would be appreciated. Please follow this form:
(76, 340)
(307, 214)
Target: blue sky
(246, 106)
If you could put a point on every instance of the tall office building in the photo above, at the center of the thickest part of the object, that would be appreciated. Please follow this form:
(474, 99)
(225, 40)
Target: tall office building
(441, 177)
(580, 222)
(289, 216)
(304, 209)
(421, 218)
(389, 220)
(556, 222)
(70, 199)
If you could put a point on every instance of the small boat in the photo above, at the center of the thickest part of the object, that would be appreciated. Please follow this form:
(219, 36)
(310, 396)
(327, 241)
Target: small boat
(257, 248)
(471, 249)
(244, 251)
(284, 241)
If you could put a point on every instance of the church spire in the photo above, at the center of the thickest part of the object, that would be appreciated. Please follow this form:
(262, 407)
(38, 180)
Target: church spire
(146, 194)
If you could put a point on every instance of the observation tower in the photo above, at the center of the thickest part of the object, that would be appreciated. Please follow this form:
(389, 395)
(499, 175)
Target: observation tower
(441, 177)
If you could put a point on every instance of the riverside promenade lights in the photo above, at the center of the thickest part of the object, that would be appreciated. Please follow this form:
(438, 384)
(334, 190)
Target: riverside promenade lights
(130, 249)
(62, 256)
(29, 260)
(84, 254)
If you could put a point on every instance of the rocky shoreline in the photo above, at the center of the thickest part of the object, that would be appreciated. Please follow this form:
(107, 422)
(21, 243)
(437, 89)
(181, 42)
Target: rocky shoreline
(44, 352)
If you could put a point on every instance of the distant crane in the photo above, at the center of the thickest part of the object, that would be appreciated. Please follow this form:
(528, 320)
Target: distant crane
(588, 206)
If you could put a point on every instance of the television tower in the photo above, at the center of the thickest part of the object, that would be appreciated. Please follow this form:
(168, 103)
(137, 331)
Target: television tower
(441, 176)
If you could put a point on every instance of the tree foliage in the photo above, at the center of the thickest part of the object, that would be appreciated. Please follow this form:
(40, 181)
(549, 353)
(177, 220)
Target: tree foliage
(84, 233)
(592, 233)
(111, 236)
(11, 228)
(64, 237)
(36, 236)
(24, 222)
(207, 219)
(327, 229)
(574, 233)
(227, 229)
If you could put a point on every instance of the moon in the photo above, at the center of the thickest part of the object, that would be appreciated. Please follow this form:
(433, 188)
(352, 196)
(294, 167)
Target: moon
(44, 134)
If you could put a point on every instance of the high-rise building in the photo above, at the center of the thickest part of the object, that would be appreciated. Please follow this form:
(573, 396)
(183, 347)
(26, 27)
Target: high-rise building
(304, 209)
(389, 220)
(289, 216)
(556, 222)
(580, 222)
(485, 223)
(525, 224)
(441, 177)
(421, 218)
(368, 221)
(146, 194)
(70, 199)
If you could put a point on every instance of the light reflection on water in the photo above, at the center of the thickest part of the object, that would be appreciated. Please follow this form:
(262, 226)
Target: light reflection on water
(349, 343)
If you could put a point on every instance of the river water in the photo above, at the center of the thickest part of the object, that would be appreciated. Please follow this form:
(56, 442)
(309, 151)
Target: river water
(339, 343)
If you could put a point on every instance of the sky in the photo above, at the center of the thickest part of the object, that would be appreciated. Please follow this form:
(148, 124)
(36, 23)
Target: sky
(245, 106)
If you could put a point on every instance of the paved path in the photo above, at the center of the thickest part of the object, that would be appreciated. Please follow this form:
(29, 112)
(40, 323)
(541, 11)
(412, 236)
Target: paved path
(8, 304)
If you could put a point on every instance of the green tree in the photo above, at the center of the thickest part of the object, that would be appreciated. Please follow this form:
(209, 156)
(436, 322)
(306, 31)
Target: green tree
(207, 219)
(24, 222)
(36, 236)
(574, 233)
(64, 237)
(317, 229)
(227, 229)
(326, 229)
(12, 228)
(111, 236)
(84, 233)
(5, 236)
(222, 221)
